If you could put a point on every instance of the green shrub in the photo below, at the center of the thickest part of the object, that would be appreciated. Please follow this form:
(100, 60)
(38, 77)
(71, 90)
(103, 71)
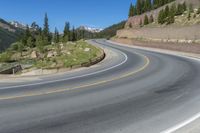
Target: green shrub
(5, 57)
(15, 46)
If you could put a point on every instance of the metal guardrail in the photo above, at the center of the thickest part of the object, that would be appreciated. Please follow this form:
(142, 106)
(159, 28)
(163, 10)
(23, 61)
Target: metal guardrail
(12, 69)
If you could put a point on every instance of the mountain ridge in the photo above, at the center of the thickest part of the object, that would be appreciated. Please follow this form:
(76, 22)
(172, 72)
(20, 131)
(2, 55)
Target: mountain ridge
(8, 34)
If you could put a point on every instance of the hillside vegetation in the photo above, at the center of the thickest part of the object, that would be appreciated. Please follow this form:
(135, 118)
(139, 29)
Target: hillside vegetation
(8, 34)
(39, 48)
(162, 15)
(177, 21)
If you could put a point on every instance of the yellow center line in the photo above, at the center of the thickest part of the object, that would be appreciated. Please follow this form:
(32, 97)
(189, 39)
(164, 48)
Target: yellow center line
(147, 61)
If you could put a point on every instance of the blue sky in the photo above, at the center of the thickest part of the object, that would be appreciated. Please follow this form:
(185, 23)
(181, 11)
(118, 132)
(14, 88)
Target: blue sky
(95, 13)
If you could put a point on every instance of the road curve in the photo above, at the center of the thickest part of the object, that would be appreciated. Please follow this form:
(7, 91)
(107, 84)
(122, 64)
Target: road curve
(135, 91)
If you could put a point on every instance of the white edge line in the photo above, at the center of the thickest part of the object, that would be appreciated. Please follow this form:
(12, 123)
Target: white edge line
(53, 81)
(186, 122)
(183, 124)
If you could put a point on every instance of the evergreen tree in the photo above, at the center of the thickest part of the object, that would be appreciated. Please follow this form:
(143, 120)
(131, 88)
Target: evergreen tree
(66, 32)
(20, 47)
(146, 20)
(180, 9)
(151, 19)
(173, 9)
(56, 36)
(147, 5)
(161, 17)
(143, 6)
(26, 36)
(131, 11)
(46, 32)
(73, 35)
(166, 14)
(171, 15)
(139, 7)
(30, 42)
(155, 4)
(184, 6)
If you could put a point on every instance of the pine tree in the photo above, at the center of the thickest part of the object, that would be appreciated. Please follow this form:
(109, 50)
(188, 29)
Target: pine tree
(131, 11)
(26, 36)
(73, 34)
(151, 19)
(66, 35)
(171, 15)
(20, 47)
(143, 6)
(166, 14)
(184, 6)
(180, 9)
(160, 17)
(139, 7)
(30, 42)
(46, 32)
(173, 9)
(146, 20)
(155, 4)
(147, 5)
(56, 36)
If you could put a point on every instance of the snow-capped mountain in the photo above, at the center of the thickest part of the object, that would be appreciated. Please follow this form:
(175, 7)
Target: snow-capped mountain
(18, 25)
(90, 29)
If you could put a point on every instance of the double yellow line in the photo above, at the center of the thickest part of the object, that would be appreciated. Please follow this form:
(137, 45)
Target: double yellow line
(147, 61)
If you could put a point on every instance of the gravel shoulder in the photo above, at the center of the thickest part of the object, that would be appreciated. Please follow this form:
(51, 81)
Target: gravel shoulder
(191, 50)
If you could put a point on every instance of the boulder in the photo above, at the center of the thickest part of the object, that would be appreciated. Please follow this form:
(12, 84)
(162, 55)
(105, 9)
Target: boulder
(87, 49)
(51, 54)
(61, 46)
(34, 55)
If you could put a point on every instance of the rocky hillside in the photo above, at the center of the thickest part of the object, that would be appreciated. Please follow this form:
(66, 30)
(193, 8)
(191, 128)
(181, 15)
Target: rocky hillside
(8, 34)
(136, 20)
(175, 22)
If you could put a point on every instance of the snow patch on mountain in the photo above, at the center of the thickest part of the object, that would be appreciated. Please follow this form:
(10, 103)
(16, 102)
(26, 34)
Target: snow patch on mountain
(90, 29)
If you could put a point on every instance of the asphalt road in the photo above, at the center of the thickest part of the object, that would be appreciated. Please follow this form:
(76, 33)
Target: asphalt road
(135, 91)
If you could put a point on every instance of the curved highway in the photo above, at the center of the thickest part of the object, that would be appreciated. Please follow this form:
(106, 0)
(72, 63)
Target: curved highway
(132, 91)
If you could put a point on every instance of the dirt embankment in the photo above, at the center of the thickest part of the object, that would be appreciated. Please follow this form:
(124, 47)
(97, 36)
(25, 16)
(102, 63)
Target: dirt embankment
(181, 47)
